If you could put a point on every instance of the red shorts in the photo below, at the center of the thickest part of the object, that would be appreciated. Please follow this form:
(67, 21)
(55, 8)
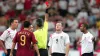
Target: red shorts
(25, 53)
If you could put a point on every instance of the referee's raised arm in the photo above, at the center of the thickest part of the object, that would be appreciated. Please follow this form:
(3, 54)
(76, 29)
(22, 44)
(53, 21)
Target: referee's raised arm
(41, 33)
(46, 16)
(48, 5)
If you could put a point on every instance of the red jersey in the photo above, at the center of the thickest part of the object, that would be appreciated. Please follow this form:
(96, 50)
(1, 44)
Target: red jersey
(23, 39)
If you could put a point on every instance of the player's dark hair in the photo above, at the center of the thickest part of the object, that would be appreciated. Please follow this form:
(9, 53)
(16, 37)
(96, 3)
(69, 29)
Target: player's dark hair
(11, 21)
(39, 22)
(27, 24)
(86, 25)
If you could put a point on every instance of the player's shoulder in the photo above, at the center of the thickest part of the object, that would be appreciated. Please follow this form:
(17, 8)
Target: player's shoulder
(35, 32)
(90, 34)
(26, 31)
(65, 34)
(29, 32)
(7, 30)
(19, 31)
(52, 35)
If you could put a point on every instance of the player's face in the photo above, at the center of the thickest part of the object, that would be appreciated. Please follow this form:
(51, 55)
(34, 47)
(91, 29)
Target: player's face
(31, 28)
(58, 27)
(82, 28)
(15, 24)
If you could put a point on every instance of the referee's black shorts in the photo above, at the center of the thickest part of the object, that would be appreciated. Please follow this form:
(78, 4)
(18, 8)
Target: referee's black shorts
(88, 54)
(43, 52)
(58, 54)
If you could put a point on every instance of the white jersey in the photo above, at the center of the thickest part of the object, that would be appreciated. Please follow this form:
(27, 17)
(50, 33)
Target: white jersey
(7, 36)
(87, 43)
(58, 42)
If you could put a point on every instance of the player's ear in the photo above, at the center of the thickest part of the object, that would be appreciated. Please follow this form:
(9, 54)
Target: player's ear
(29, 27)
(36, 26)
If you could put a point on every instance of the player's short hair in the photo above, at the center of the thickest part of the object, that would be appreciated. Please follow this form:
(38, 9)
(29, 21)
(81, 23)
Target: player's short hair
(27, 24)
(86, 25)
(61, 23)
(11, 21)
(39, 22)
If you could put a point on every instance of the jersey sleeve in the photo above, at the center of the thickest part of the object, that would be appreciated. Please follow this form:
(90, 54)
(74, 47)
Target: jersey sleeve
(45, 27)
(3, 37)
(50, 41)
(33, 39)
(15, 40)
(67, 40)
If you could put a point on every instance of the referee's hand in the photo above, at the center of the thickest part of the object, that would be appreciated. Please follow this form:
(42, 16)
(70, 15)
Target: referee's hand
(48, 4)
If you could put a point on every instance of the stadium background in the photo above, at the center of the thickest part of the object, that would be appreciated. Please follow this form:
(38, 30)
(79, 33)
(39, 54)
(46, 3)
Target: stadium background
(72, 12)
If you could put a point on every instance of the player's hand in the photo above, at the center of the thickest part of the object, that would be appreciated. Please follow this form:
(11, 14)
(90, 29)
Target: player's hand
(49, 55)
(66, 55)
(11, 54)
(39, 55)
(5, 51)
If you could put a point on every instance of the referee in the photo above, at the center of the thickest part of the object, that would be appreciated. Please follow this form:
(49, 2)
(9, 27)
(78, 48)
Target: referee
(86, 41)
(41, 34)
(8, 36)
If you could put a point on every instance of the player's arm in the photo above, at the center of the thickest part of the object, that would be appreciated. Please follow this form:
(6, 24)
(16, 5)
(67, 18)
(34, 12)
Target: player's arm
(36, 49)
(50, 45)
(13, 46)
(79, 41)
(67, 43)
(67, 49)
(50, 50)
(14, 43)
(2, 39)
(2, 45)
(34, 42)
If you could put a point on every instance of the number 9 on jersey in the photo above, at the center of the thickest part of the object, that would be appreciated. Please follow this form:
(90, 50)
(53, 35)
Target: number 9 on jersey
(23, 40)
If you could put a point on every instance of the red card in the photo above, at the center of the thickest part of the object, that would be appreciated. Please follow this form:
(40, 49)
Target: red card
(47, 3)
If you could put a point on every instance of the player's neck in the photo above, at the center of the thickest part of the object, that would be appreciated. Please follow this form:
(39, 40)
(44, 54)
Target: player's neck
(58, 31)
(26, 29)
(38, 28)
(85, 32)
(12, 28)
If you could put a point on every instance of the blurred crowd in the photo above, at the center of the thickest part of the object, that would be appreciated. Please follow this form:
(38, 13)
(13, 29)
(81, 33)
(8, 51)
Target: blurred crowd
(72, 12)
